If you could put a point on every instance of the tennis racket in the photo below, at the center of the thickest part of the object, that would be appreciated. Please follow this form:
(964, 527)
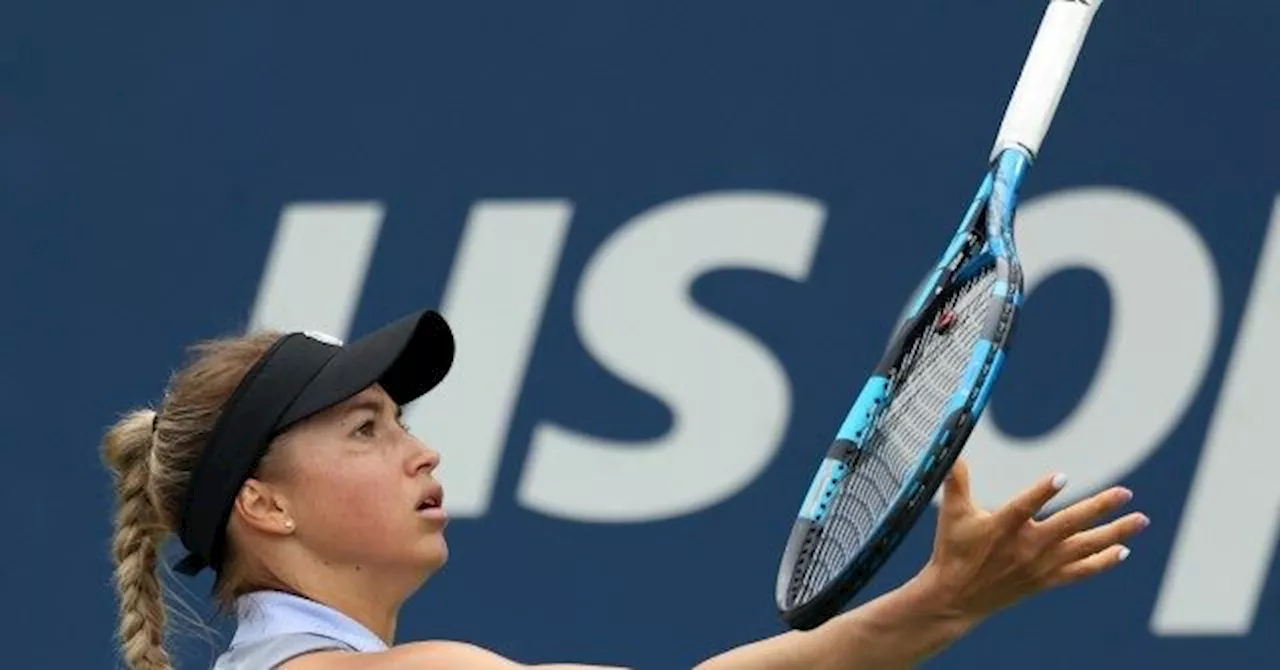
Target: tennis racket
(916, 411)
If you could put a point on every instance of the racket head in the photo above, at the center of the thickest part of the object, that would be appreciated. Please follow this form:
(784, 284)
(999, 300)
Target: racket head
(914, 414)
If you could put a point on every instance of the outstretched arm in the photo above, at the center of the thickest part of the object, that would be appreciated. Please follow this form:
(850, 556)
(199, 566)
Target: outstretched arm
(982, 563)
(896, 630)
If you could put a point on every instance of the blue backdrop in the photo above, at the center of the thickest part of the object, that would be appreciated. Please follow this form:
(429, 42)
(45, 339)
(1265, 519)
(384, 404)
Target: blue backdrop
(710, 215)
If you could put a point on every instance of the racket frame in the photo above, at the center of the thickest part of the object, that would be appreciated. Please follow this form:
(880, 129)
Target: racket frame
(983, 239)
(984, 236)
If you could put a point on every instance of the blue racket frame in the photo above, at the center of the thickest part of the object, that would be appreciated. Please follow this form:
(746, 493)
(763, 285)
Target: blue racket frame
(983, 238)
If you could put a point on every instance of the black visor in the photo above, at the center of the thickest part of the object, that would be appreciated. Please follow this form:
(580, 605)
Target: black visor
(300, 375)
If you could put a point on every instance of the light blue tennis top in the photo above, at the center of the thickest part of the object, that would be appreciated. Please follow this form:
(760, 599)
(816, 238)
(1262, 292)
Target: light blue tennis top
(274, 627)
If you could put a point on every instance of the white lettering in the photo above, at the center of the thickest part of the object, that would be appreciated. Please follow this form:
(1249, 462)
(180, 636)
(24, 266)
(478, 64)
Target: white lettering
(1227, 538)
(729, 396)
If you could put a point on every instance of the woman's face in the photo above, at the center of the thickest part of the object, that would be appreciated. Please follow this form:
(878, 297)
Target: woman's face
(361, 489)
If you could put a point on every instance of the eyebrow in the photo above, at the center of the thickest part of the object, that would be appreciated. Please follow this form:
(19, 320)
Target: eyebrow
(371, 405)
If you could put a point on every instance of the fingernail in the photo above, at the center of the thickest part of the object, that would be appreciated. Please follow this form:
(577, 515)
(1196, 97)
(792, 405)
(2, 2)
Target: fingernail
(1144, 520)
(1126, 494)
(1124, 553)
(1059, 480)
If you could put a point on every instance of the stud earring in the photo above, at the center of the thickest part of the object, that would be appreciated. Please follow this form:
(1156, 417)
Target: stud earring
(288, 524)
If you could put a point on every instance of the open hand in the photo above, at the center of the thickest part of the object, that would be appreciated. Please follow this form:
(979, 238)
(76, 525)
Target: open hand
(985, 561)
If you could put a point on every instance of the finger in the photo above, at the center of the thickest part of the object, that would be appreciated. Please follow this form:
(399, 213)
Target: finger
(1084, 513)
(1094, 540)
(956, 489)
(1026, 504)
(1089, 567)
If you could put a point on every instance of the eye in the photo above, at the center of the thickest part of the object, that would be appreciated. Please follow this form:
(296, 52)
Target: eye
(366, 428)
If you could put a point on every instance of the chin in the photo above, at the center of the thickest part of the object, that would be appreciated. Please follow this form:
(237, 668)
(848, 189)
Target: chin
(433, 553)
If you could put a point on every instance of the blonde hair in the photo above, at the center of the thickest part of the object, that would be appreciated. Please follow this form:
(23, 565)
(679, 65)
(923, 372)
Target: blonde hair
(153, 456)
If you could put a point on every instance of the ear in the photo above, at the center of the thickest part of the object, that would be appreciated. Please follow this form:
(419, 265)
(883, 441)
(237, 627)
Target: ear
(264, 508)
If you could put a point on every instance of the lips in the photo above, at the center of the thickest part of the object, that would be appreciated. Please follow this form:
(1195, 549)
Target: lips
(432, 499)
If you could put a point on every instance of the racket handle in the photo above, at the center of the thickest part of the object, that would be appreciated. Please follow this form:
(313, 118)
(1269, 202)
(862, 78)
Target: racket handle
(1044, 75)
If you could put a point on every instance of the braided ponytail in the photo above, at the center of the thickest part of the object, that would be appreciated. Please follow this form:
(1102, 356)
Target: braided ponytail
(135, 545)
(153, 457)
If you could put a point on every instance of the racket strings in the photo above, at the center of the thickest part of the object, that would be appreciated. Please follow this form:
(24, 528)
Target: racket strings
(850, 517)
(931, 370)
(870, 488)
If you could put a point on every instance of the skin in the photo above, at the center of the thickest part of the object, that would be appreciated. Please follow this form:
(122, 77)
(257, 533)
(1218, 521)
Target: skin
(337, 513)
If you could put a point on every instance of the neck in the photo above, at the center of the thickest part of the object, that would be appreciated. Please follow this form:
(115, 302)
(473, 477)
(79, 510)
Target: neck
(378, 616)
(373, 601)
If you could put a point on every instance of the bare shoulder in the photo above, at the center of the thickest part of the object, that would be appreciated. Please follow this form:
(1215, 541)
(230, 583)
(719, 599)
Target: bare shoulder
(434, 655)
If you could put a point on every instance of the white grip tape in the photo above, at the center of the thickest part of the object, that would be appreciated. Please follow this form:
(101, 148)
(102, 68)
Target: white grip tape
(1045, 74)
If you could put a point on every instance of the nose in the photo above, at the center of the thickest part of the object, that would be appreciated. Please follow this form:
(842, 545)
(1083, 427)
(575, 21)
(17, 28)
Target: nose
(424, 458)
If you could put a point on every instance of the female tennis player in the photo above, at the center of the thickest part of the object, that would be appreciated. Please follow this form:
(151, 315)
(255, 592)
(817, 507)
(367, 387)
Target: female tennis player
(280, 463)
